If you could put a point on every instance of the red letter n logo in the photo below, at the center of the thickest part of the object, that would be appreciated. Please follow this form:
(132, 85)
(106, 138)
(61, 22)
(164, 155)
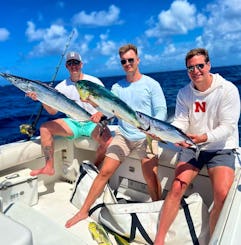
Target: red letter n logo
(200, 106)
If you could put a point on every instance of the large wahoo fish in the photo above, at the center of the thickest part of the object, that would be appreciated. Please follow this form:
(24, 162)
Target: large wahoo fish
(163, 130)
(49, 96)
(107, 101)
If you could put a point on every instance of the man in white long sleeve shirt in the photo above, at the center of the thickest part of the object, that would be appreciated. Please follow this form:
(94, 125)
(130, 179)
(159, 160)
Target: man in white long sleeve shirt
(207, 110)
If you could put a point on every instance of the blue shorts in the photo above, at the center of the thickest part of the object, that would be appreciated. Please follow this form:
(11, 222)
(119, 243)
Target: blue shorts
(209, 158)
(80, 128)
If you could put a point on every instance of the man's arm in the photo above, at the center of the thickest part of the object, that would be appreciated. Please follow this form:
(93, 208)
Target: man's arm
(159, 102)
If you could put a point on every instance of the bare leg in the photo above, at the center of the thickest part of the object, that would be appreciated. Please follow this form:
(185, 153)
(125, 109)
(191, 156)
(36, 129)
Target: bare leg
(109, 167)
(47, 132)
(150, 173)
(103, 137)
(222, 179)
(185, 173)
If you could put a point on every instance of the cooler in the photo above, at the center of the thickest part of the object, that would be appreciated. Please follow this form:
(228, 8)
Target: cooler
(18, 186)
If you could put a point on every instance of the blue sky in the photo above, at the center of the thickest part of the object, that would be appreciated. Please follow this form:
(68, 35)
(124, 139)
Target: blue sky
(34, 34)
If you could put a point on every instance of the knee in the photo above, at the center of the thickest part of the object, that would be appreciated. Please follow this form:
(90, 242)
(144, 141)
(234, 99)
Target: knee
(101, 135)
(105, 140)
(220, 196)
(178, 188)
(104, 175)
(106, 135)
(44, 127)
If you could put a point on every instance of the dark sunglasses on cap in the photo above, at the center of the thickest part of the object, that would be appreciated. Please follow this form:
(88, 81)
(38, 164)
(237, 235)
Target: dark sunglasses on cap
(130, 61)
(198, 66)
(73, 62)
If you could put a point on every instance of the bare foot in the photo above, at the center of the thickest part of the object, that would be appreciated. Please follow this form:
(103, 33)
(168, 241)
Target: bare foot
(76, 218)
(44, 170)
(156, 242)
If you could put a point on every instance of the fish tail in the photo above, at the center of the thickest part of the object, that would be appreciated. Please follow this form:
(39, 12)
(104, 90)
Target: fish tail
(149, 143)
(99, 234)
(120, 240)
(198, 149)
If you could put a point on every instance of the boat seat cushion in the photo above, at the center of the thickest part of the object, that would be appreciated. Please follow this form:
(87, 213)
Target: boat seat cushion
(17, 153)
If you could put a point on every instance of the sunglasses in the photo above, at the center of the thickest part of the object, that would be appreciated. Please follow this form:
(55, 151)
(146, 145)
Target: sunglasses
(73, 62)
(198, 66)
(130, 61)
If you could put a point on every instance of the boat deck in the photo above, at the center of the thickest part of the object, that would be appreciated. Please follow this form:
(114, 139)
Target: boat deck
(54, 203)
(48, 217)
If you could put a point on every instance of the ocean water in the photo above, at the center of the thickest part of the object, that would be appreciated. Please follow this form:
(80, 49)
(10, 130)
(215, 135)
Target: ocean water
(16, 109)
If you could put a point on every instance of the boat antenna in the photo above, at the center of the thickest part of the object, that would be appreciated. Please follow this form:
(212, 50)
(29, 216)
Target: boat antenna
(30, 129)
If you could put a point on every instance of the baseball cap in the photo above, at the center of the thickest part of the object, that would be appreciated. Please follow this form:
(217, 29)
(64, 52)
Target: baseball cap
(73, 56)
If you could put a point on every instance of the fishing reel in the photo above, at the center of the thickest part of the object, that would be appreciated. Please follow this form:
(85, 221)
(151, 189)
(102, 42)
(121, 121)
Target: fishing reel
(27, 129)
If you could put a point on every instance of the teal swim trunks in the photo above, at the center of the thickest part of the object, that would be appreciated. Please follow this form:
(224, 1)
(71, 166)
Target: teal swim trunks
(80, 128)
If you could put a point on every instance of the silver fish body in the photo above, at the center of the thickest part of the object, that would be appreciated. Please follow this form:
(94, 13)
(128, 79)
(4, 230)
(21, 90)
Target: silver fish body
(49, 96)
(161, 129)
(107, 101)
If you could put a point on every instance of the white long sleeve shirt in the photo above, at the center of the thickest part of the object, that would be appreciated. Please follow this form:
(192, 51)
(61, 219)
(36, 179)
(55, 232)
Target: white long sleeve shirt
(215, 111)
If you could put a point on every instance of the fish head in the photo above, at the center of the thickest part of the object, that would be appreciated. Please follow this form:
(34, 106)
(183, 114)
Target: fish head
(83, 89)
(10, 78)
(19, 82)
(89, 90)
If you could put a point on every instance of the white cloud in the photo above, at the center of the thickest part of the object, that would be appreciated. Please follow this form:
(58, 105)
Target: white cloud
(112, 63)
(225, 16)
(179, 19)
(4, 34)
(33, 34)
(105, 46)
(169, 49)
(101, 18)
(222, 32)
(54, 31)
(149, 59)
(82, 45)
(52, 39)
(216, 26)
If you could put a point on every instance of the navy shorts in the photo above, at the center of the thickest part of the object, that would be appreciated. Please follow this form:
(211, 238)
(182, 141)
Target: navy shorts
(209, 158)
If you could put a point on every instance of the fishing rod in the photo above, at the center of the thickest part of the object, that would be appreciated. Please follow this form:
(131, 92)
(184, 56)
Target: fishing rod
(30, 129)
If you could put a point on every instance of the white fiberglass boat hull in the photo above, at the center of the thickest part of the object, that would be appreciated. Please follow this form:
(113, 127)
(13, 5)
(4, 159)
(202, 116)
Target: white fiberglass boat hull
(53, 208)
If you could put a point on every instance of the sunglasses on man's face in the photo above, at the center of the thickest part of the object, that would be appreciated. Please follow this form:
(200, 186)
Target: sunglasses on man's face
(73, 62)
(130, 61)
(192, 68)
